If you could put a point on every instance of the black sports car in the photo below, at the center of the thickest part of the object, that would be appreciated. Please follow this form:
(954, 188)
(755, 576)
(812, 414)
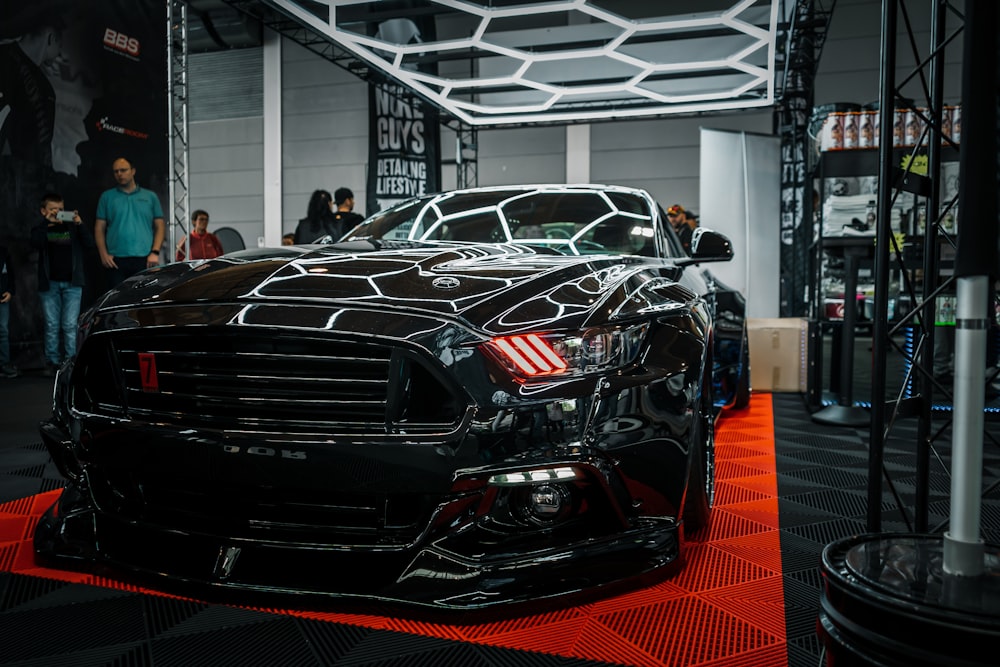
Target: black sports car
(478, 397)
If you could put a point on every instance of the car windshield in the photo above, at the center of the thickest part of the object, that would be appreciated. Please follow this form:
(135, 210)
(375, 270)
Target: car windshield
(573, 221)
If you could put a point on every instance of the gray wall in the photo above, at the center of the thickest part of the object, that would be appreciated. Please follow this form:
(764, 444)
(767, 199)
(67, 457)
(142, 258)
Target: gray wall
(225, 129)
(662, 156)
(226, 173)
(522, 155)
(324, 131)
(849, 66)
(324, 120)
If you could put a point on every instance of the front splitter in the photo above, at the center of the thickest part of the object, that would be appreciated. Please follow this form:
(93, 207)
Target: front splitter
(72, 535)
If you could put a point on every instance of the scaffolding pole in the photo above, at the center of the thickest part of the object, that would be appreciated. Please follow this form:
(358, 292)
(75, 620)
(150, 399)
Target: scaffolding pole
(177, 85)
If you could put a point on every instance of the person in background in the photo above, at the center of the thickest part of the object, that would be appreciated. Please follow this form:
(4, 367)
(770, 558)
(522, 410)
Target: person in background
(345, 219)
(691, 218)
(678, 220)
(7, 368)
(319, 219)
(204, 244)
(288, 239)
(60, 238)
(129, 229)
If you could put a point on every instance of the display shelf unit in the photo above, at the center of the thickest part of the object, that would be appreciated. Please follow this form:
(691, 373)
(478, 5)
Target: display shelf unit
(842, 264)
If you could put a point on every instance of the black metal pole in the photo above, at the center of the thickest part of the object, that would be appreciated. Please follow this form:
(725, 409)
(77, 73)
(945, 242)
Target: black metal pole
(880, 329)
(921, 504)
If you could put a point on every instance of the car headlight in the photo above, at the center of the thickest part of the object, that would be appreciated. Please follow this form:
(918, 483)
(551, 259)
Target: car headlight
(594, 350)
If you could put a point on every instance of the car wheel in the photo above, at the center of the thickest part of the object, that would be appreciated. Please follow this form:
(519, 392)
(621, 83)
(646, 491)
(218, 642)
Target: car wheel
(743, 382)
(701, 477)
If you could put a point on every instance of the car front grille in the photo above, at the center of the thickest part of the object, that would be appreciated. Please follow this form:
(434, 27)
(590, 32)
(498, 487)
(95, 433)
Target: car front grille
(277, 383)
(291, 515)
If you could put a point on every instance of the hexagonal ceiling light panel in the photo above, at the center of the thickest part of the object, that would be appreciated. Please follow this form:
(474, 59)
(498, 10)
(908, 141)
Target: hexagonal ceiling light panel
(497, 62)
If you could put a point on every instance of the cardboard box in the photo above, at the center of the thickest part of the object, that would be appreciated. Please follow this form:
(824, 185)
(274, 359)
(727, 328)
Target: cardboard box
(778, 353)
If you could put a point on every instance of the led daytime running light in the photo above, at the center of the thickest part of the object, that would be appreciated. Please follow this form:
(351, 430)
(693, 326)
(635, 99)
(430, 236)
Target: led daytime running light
(529, 477)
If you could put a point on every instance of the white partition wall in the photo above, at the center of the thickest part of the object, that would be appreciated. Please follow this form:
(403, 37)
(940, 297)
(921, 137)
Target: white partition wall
(740, 197)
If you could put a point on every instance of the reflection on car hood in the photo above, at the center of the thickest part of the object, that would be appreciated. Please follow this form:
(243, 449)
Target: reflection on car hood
(479, 283)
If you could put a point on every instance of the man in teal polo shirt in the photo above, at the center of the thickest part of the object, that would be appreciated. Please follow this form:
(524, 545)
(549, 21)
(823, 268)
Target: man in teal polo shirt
(129, 228)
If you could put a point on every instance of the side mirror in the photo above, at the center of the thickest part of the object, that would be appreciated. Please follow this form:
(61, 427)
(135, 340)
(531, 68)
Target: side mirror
(709, 246)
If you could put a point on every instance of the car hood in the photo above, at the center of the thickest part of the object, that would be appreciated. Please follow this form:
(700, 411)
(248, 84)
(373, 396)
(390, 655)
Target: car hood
(498, 288)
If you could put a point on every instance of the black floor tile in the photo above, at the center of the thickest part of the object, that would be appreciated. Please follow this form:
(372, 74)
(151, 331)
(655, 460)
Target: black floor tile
(822, 477)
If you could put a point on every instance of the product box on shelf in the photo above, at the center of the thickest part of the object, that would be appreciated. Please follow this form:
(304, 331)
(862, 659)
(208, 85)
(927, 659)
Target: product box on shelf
(944, 310)
(778, 353)
(833, 307)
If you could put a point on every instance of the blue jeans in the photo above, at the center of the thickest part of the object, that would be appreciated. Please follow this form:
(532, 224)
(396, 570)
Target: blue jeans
(4, 333)
(61, 305)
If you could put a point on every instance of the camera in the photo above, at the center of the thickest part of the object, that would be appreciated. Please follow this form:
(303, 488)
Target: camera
(66, 216)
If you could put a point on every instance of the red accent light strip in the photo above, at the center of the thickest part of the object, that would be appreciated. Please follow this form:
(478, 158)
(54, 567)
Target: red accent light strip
(531, 354)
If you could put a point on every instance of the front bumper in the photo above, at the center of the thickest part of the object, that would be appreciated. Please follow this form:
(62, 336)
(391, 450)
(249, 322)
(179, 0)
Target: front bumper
(74, 535)
(457, 563)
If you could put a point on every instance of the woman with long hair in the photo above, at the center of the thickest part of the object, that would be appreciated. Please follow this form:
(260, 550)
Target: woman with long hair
(319, 216)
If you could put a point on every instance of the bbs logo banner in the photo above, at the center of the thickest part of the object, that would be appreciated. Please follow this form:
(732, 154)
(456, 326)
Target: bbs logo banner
(119, 41)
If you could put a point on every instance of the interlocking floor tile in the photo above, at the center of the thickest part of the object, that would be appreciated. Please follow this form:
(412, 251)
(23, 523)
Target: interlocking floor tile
(747, 596)
(723, 607)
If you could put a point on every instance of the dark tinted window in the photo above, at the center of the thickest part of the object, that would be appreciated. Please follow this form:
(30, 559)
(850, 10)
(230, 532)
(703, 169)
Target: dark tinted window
(469, 201)
(573, 221)
(480, 227)
(394, 223)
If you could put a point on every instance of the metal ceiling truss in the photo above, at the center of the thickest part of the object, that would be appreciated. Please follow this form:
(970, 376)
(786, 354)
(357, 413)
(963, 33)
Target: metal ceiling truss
(295, 31)
(804, 36)
(320, 44)
(177, 84)
(273, 17)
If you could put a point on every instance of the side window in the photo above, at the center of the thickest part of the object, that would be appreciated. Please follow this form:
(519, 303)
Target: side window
(426, 221)
(395, 224)
(399, 233)
(477, 228)
(623, 235)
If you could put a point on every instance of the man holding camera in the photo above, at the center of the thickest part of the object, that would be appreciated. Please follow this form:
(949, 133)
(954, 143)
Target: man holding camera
(60, 239)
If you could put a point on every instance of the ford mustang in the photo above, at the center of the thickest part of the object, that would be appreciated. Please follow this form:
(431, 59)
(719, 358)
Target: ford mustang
(475, 398)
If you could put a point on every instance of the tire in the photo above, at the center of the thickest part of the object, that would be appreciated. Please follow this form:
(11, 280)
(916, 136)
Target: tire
(701, 475)
(743, 392)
